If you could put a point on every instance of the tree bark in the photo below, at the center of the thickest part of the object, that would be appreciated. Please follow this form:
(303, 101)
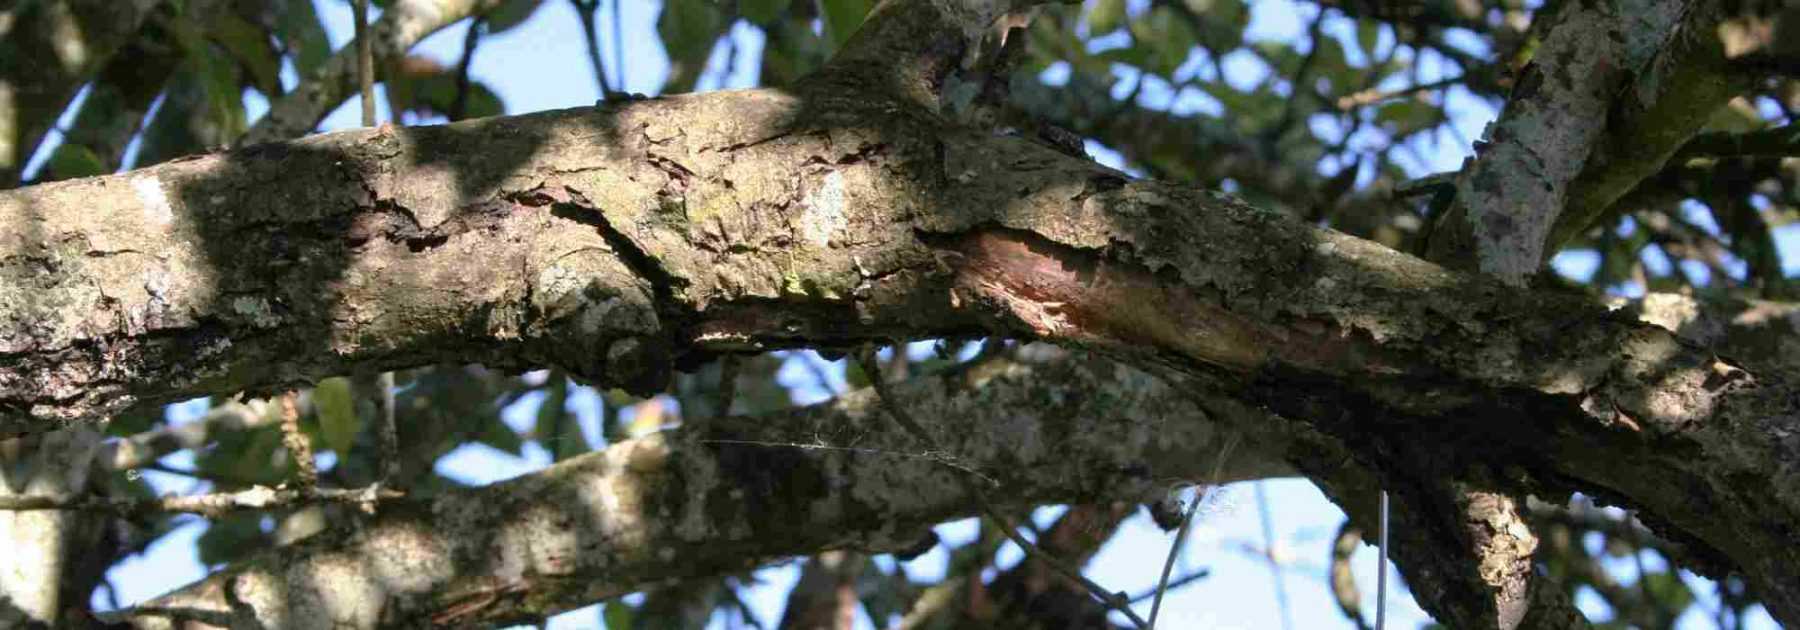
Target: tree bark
(615, 242)
(725, 495)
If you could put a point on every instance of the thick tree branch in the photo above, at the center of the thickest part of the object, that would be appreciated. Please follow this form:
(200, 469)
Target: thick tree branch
(722, 495)
(612, 239)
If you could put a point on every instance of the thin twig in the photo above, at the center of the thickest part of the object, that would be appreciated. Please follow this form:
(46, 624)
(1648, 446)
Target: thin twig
(365, 63)
(1382, 566)
(210, 505)
(618, 42)
(145, 448)
(1187, 521)
(299, 448)
(728, 377)
(1117, 601)
(1172, 585)
(587, 8)
(387, 434)
(1368, 97)
(459, 108)
(1268, 532)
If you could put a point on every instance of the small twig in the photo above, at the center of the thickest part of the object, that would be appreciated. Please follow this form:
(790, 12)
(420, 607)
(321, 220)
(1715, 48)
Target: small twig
(306, 471)
(1116, 601)
(210, 505)
(143, 449)
(1172, 585)
(1268, 532)
(387, 434)
(459, 108)
(1781, 141)
(728, 377)
(1187, 522)
(365, 62)
(1372, 96)
(1382, 566)
(618, 42)
(589, 32)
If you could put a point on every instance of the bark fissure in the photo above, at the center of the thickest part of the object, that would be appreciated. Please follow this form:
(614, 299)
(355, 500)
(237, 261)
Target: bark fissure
(615, 242)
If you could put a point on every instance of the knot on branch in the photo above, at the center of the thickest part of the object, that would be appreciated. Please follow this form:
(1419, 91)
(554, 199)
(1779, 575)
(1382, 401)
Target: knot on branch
(597, 318)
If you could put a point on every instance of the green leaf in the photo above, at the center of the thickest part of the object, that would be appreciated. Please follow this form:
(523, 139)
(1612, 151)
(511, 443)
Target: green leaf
(618, 615)
(1368, 36)
(1404, 117)
(74, 160)
(687, 27)
(423, 87)
(496, 433)
(1668, 589)
(1105, 17)
(1168, 36)
(136, 420)
(251, 47)
(1223, 21)
(762, 12)
(239, 458)
(233, 537)
(792, 51)
(854, 376)
(509, 14)
(338, 422)
(842, 17)
(556, 429)
(302, 35)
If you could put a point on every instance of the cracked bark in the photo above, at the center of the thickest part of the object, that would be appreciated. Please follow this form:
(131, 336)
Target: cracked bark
(613, 242)
(949, 233)
(1614, 91)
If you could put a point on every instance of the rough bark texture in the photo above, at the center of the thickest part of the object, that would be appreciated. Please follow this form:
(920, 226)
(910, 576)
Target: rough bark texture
(719, 496)
(1517, 186)
(608, 240)
(614, 242)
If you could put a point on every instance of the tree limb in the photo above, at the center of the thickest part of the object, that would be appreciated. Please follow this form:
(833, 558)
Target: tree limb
(616, 241)
(724, 495)
(1517, 186)
(402, 25)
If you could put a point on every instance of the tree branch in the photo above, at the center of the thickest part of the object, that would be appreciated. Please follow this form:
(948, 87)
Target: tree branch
(402, 25)
(1524, 174)
(724, 495)
(617, 240)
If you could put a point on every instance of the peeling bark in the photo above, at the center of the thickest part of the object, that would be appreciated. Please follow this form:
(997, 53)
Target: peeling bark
(614, 242)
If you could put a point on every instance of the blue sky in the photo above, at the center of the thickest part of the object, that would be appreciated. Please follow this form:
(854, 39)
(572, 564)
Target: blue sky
(542, 64)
